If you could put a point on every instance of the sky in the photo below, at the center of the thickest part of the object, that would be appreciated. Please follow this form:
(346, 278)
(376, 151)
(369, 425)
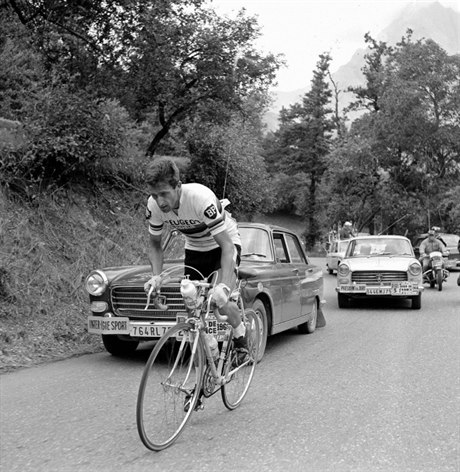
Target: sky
(304, 29)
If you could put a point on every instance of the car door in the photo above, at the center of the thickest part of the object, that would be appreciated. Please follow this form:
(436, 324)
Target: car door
(289, 276)
(310, 276)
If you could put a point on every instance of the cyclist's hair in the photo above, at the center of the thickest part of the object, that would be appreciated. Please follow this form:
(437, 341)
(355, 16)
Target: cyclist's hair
(162, 170)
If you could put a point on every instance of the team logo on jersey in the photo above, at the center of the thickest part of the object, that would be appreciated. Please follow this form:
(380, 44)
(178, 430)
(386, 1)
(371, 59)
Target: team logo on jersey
(211, 211)
(148, 214)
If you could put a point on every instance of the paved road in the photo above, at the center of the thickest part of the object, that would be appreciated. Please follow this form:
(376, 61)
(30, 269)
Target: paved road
(377, 389)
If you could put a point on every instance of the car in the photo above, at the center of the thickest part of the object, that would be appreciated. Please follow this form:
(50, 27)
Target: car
(452, 245)
(379, 266)
(335, 254)
(278, 281)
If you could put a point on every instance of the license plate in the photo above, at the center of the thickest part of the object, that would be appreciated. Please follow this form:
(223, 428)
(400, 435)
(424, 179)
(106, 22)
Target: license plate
(404, 288)
(378, 291)
(102, 325)
(352, 288)
(148, 331)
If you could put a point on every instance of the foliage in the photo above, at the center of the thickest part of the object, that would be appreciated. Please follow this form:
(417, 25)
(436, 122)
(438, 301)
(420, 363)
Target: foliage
(160, 59)
(228, 160)
(410, 135)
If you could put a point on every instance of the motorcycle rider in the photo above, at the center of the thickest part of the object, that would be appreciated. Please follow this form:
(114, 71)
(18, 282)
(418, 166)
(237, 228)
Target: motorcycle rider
(427, 246)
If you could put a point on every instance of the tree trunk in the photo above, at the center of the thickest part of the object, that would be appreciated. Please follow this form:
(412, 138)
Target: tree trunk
(156, 140)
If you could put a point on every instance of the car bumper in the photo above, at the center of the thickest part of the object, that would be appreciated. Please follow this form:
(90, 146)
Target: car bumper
(117, 325)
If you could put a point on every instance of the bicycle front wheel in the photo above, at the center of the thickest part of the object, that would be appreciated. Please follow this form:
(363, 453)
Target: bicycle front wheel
(169, 388)
(240, 377)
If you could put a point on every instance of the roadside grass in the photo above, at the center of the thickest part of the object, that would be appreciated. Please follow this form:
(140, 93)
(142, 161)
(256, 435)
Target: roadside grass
(46, 251)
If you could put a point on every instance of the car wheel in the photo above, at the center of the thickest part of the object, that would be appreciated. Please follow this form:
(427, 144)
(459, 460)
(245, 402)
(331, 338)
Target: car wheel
(416, 302)
(309, 326)
(261, 313)
(118, 347)
(343, 301)
(329, 270)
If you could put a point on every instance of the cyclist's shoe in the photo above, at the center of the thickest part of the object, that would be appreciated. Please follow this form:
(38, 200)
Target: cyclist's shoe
(240, 348)
(188, 400)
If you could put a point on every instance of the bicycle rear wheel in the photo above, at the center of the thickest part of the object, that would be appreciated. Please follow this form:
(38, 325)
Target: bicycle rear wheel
(235, 390)
(170, 375)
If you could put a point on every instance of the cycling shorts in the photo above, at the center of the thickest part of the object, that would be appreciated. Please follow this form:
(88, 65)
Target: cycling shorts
(206, 262)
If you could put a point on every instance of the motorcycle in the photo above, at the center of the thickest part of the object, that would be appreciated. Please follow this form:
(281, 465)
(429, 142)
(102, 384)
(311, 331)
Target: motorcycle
(437, 273)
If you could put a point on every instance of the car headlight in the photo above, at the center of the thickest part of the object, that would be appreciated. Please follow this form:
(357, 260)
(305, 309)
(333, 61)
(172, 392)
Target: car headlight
(96, 283)
(415, 269)
(343, 270)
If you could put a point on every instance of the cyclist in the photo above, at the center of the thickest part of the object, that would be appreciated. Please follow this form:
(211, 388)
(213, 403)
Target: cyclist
(212, 240)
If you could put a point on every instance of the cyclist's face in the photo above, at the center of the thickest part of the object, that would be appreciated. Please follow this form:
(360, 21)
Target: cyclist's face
(167, 197)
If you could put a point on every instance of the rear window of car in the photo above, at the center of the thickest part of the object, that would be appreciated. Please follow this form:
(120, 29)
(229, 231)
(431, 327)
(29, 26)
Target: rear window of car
(450, 239)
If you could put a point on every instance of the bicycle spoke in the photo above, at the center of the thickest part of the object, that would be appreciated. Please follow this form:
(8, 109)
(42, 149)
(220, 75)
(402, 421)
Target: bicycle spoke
(170, 376)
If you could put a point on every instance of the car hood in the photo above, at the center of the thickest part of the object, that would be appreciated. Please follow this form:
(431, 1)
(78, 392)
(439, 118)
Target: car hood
(371, 263)
(138, 275)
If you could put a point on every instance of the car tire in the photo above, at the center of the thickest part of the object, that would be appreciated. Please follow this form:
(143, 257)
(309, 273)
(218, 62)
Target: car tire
(329, 270)
(343, 301)
(261, 313)
(118, 347)
(309, 326)
(416, 302)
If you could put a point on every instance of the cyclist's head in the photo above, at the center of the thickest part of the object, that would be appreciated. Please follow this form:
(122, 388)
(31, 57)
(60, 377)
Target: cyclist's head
(162, 177)
(162, 170)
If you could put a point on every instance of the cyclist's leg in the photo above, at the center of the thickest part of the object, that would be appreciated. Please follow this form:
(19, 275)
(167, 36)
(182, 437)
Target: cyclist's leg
(171, 374)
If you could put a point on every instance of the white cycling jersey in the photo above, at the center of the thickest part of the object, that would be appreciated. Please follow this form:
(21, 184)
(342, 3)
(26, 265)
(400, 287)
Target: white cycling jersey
(200, 216)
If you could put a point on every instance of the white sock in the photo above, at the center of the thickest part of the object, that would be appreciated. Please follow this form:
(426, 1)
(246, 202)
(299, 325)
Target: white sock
(239, 331)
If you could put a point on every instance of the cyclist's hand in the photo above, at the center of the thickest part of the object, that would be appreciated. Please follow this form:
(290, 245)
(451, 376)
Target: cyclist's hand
(152, 284)
(220, 294)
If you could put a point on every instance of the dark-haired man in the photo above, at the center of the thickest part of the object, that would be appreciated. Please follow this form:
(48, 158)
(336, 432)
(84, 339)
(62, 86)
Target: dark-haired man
(212, 240)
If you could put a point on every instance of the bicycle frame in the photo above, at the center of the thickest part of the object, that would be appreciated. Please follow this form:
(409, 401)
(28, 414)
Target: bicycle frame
(198, 317)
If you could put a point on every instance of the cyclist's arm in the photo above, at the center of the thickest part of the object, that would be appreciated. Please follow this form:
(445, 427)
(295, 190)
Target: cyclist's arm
(227, 258)
(155, 254)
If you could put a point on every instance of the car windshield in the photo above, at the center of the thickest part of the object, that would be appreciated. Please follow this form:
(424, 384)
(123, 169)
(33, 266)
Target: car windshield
(255, 245)
(342, 246)
(450, 239)
(379, 247)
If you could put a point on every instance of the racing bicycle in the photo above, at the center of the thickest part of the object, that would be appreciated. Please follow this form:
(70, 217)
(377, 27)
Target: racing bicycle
(184, 367)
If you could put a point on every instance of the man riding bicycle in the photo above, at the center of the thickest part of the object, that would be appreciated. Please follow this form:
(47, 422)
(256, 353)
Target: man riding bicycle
(212, 240)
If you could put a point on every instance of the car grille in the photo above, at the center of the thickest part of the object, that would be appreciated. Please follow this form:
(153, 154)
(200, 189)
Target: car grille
(131, 301)
(378, 278)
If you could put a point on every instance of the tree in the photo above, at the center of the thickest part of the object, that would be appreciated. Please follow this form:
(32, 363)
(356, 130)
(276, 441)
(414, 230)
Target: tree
(165, 59)
(228, 159)
(304, 139)
(412, 127)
